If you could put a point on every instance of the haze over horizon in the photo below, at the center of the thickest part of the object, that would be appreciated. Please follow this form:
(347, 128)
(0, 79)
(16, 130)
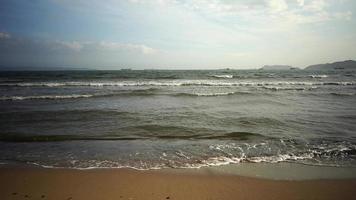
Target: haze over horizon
(175, 34)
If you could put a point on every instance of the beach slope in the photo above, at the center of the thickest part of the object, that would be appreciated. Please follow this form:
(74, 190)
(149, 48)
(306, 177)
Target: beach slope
(33, 183)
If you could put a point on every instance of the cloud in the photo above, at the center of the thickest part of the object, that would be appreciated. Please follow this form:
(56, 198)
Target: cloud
(28, 45)
(74, 45)
(300, 2)
(198, 33)
(4, 35)
(316, 6)
(31, 51)
(20, 51)
(314, 11)
(158, 2)
(114, 46)
(343, 15)
(277, 5)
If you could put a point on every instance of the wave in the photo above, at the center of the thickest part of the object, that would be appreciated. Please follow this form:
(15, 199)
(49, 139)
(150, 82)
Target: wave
(56, 138)
(18, 98)
(149, 91)
(213, 94)
(223, 76)
(58, 116)
(289, 88)
(209, 162)
(153, 91)
(182, 160)
(191, 153)
(224, 160)
(235, 135)
(226, 83)
(127, 93)
(318, 76)
(343, 94)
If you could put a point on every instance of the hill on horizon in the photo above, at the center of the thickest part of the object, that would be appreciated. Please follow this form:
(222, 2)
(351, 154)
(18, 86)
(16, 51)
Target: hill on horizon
(341, 65)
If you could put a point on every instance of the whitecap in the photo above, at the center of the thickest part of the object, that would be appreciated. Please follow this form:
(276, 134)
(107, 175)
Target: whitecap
(223, 76)
(227, 83)
(318, 76)
(19, 98)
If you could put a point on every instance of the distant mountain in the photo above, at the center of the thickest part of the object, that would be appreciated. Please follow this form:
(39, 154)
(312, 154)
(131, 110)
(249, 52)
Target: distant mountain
(342, 65)
(277, 67)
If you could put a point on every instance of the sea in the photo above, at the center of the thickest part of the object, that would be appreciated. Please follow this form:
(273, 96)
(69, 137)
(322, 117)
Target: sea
(154, 119)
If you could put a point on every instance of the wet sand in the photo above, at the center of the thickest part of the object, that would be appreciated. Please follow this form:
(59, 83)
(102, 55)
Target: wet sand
(110, 184)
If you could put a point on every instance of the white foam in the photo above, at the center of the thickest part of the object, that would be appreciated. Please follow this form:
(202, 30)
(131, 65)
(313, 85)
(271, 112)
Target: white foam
(19, 98)
(279, 158)
(214, 94)
(223, 76)
(276, 88)
(227, 83)
(211, 161)
(318, 76)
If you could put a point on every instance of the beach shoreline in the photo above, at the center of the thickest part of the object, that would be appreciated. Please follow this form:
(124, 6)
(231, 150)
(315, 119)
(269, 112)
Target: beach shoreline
(40, 183)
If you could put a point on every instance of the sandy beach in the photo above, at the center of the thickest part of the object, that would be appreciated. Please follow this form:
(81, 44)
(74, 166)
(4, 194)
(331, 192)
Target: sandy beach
(102, 184)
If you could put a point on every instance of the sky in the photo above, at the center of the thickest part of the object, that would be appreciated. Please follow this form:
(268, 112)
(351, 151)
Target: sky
(175, 34)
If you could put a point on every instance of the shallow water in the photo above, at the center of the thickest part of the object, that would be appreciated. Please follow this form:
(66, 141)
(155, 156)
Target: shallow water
(173, 119)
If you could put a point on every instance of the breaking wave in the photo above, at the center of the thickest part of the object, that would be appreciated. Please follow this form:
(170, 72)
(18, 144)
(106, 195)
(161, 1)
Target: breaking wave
(318, 76)
(19, 98)
(171, 83)
(149, 91)
(213, 94)
(289, 88)
(266, 151)
(223, 76)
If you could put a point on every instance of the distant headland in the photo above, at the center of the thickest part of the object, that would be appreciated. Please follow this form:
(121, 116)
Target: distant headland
(340, 65)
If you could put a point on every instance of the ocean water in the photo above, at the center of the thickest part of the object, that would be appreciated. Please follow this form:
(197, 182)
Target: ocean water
(152, 119)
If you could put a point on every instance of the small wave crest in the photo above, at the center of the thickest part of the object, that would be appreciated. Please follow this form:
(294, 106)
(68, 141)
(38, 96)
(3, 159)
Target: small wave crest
(209, 162)
(289, 88)
(148, 91)
(212, 94)
(192, 153)
(227, 83)
(318, 76)
(223, 76)
(19, 98)
(198, 135)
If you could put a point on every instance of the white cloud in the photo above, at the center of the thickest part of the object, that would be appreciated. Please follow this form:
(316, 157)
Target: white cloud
(138, 48)
(24, 44)
(4, 35)
(74, 45)
(316, 6)
(103, 46)
(343, 15)
(283, 11)
(300, 2)
(277, 5)
(159, 2)
(206, 32)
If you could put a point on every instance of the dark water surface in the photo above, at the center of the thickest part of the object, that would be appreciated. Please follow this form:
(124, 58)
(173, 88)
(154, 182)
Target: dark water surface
(157, 119)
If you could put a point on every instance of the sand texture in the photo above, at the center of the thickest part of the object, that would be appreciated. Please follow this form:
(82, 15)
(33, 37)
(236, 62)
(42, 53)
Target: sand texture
(115, 184)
